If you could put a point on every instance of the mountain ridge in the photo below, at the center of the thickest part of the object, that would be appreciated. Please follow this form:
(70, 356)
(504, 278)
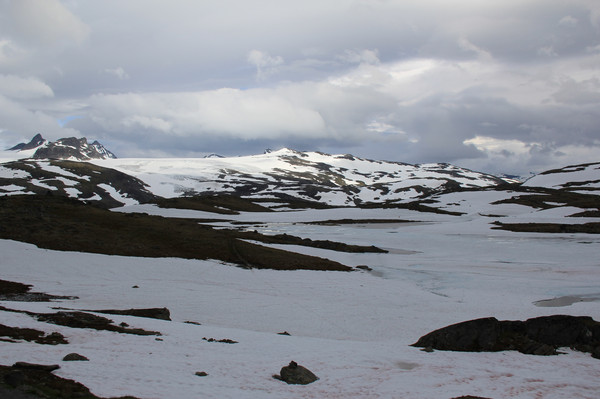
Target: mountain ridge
(282, 177)
(336, 180)
(71, 148)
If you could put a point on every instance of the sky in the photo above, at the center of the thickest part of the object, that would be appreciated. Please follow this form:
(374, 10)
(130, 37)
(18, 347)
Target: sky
(508, 86)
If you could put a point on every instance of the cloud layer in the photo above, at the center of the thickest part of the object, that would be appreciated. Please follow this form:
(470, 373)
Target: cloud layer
(509, 86)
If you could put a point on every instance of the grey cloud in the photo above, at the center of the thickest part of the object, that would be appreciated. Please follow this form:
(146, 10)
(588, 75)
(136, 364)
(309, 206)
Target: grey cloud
(43, 23)
(583, 92)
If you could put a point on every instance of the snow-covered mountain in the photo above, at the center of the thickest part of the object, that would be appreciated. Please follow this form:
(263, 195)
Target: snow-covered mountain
(71, 148)
(341, 180)
(282, 176)
(336, 180)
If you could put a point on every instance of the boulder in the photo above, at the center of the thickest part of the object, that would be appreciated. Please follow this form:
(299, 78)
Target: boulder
(73, 357)
(296, 374)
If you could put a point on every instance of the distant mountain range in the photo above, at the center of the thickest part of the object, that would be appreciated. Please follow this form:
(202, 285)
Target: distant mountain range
(280, 177)
(66, 148)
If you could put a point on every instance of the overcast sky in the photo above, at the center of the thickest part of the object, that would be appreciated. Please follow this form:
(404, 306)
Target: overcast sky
(498, 86)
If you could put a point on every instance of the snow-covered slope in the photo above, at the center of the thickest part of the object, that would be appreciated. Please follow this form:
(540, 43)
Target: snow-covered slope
(331, 179)
(584, 178)
(108, 188)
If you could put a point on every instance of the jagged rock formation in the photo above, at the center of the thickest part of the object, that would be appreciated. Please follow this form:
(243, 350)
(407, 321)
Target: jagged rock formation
(73, 148)
(65, 148)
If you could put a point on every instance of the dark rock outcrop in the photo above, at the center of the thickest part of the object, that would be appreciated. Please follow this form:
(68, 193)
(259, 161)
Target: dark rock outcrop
(537, 336)
(296, 374)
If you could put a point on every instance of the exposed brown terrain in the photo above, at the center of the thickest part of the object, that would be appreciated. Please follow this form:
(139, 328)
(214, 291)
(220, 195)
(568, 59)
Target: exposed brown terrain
(64, 224)
(588, 228)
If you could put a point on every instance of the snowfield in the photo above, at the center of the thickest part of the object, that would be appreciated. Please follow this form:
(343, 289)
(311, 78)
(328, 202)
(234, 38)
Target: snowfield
(344, 178)
(353, 330)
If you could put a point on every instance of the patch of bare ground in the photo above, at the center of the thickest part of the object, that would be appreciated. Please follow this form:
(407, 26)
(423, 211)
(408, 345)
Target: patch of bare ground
(150, 313)
(88, 320)
(77, 319)
(322, 244)
(588, 228)
(68, 225)
(15, 334)
(13, 291)
(413, 206)
(337, 222)
(542, 198)
(222, 204)
(586, 214)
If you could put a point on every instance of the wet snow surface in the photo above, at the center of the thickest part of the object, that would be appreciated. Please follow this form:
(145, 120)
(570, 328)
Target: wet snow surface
(353, 330)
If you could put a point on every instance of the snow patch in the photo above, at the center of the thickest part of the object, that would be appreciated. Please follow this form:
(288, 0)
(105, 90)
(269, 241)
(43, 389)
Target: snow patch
(117, 194)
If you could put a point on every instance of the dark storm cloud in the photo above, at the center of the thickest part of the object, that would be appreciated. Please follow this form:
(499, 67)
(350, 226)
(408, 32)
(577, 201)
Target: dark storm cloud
(500, 86)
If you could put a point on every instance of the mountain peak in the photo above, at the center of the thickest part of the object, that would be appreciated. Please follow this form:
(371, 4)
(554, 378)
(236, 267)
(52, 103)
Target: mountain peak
(35, 142)
(65, 148)
(213, 155)
(73, 148)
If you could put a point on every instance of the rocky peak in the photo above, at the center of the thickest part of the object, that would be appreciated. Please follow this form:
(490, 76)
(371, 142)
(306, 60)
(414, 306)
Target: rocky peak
(35, 142)
(65, 148)
(73, 148)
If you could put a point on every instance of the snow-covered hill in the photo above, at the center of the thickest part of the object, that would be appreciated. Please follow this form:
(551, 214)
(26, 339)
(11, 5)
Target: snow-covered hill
(105, 187)
(335, 180)
(584, 178)
(338, 180)
(282, 176)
